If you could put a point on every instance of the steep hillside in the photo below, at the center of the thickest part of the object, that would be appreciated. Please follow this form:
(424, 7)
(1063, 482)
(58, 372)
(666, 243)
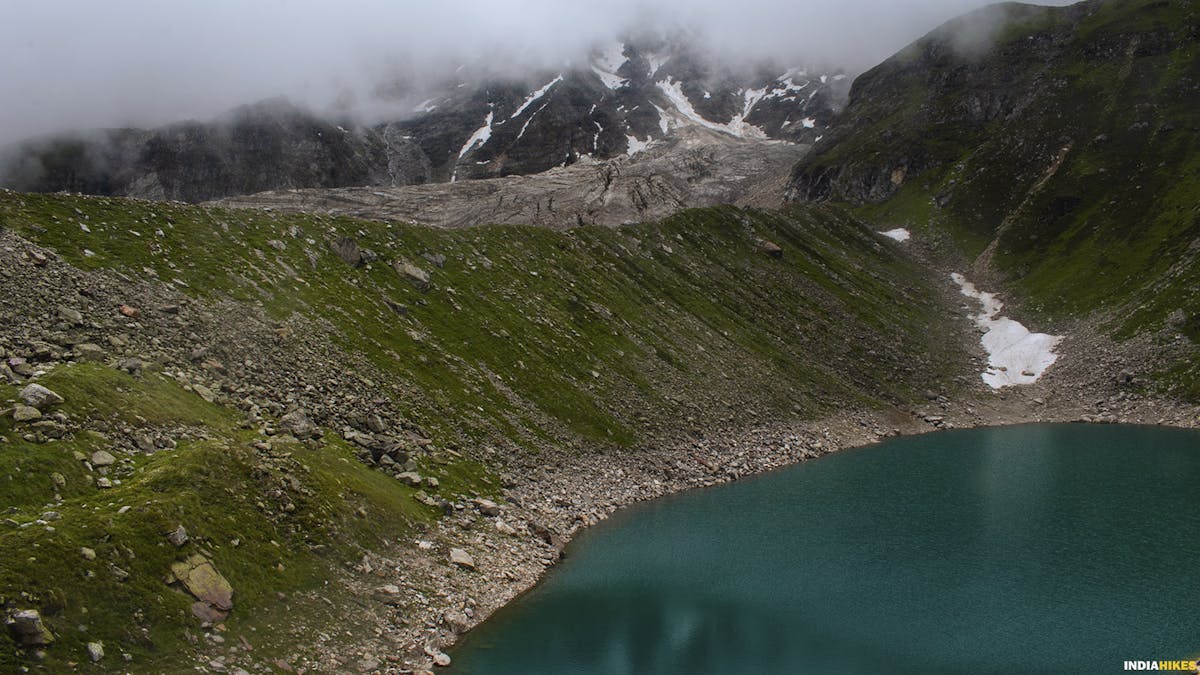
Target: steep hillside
(302, 393)
(1057, 147)
(476, 124)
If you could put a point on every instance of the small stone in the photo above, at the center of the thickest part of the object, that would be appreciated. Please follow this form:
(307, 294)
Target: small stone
(486, 506)
(103, 483)
(439, 657)
(178, 537)
(297, 424)
(415, 275)
(368, 664)
(25, 413)
(457, 621)
(432, 483)
(28, 630)
(89, 352)
(425, 499)
(206, 612)
(462, 558)
(87, 553)
(376, 424)
(770, 248)
(410, 478)
(129, 312)
(39, 397)
(545, 534)
(390, 589)
(71, 316)
(203, 581)
(347, 249)
(132, 366)
(204, 392)
(38, 259)
(504, 528)
(103, 458)
(95, 651)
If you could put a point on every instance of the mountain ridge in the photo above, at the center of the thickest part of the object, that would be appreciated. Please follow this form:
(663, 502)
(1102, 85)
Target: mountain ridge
(1061, 160)
(475, 126)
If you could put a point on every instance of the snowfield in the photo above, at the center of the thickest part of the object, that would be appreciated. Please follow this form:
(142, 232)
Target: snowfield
(1015, 355)
(737, 127)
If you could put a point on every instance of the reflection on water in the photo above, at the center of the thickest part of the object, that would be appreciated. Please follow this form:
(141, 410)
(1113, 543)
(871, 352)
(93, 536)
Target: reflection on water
(1037, 548)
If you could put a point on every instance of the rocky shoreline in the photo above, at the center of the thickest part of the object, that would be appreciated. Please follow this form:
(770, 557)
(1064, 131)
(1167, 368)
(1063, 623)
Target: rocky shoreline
(513, 545)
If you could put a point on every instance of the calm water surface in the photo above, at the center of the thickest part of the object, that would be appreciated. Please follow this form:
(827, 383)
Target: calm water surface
(1045, 548)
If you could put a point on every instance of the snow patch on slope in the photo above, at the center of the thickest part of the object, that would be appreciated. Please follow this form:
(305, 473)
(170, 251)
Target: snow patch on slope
(635, 146)
(606, 64)
(526, 125)
(656, 61)
(1015, 356)
(426, 106)
(664, 124)
(899, 234)
(738, 127)
(481, 135)
(535, 96)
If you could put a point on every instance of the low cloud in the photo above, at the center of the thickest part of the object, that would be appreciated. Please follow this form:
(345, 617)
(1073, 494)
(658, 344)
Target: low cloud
(73, 64)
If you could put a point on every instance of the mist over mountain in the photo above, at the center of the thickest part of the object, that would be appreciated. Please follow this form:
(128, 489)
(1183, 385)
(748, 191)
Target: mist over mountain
(74, 64)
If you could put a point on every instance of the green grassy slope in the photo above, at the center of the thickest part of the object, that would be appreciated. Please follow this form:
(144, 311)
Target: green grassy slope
(598, 340)
(1070, 147)
(539, 335)
(274, 522)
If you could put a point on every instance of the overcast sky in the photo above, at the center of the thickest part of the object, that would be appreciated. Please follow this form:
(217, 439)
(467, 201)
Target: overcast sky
(90, 63)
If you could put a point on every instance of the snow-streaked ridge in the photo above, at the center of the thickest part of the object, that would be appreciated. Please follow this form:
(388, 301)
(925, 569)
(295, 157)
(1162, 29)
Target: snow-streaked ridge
(1015, 355)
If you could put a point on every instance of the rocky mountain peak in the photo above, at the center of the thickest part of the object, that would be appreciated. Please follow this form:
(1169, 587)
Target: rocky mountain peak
(477, 123)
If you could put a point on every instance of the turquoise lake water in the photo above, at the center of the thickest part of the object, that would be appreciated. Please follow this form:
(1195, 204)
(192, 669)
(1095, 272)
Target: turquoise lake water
(1041, 548)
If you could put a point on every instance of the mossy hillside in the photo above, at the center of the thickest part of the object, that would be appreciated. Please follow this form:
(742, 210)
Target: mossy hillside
(596, 336)
(1108, 87)
(232, 498)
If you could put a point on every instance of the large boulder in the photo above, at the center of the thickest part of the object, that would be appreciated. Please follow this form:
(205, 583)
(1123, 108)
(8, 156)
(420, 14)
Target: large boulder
(297, 424)
(37, 396)
(415, 275)
(461, 558)
(347, 249)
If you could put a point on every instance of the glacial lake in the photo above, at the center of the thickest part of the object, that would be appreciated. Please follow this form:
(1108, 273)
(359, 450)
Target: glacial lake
(1039, 548)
